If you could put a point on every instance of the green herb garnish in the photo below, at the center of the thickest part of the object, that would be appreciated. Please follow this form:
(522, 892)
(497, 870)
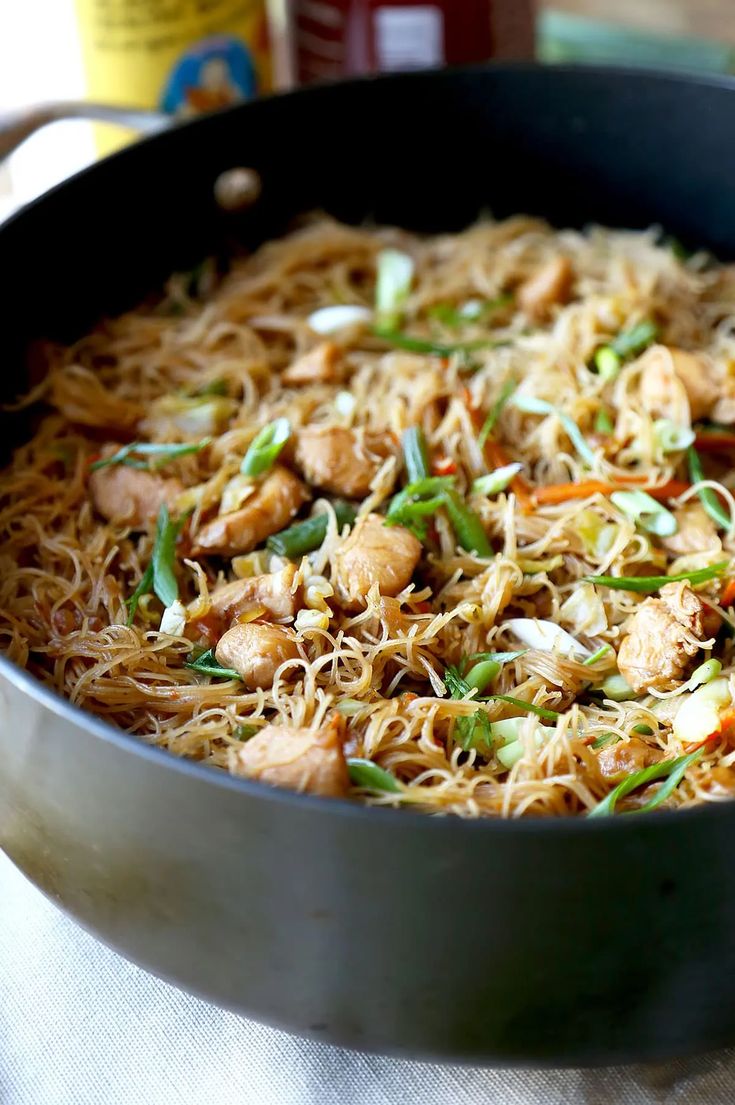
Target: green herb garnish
(416, 502)
(206, 664)
(365, 773)
(412, 344)
(265, 448)
(707, 495)
(133, 455)
(415, 454)
(160, 576)
(672, 770)
(648, 584)
(495, 411)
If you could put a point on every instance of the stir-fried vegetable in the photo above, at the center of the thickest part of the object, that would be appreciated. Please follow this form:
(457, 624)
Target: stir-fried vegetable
(415, 454)
(540, 633)
(160, 576)
(601, 651)
(603, 422)
(521, 704)
(529, 404)
(473, 310)
(329, 320)
(133, 455)
(304, 537)
(365, 773)
(495, 411)
(672, 770)
(648, 584)
(629, 343)
(671, 437)
(412, 344)
(468, 528)
(475, 729)
(562, 492)
(496, 481)
(206, 664)
(395, 273)
(707, 495)
(416, 502)
(649, 515)
(265, 448)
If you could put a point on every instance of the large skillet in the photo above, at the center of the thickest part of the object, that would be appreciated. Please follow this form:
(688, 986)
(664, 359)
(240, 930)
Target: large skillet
(536, 942)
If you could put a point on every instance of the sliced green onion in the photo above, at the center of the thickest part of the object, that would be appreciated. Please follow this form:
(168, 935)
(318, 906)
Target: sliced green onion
(540, 711)
(472, 310)
(496, 481)
(498, 657)
(475, 729)
(207, 665)
(644, 730)
(629, 343)
(370, 776)
(131, 455)
(705, 673)
(482, 673)
(214, 387)
(617, 688)
(604, 739)
(603, 422)
(671, 437)
(265, 447)
(650, 515)
(143, 588)
(513, 751)
(707, 495)
(245, 732)
(495, 411)
(673, 769)
(468, 528)
(416, 502)
(164, 555)
(413, 344)
(304, 537)
(415, 454)
(529, 404)
(607, 363)
(395, 273)
(602, 651)
(648, 584)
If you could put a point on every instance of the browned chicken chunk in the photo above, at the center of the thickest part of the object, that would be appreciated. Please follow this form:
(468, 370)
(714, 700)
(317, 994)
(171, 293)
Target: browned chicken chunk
(696, 531)
(550, 284)
(310, 761)
(374, 553)
(625, 757)
(663, 636)
(321, 365)
(274, 592)
(267, 511)
(341, 461)
(255, 650)
(672, 374)
(130, 495)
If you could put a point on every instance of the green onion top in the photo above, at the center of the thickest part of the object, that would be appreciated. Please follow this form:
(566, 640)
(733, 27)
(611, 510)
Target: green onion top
(395, 273)
(265, 448)
(411, 344)
(672, 770)
(531, 405)
(160, 575)
(708, 497)
(648, 584)
(415, 454)
(207, 665)
(370, 776)
(133, 455)
(629, 343)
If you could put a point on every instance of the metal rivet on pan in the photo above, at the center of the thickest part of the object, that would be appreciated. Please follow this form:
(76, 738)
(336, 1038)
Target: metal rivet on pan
(236, 189)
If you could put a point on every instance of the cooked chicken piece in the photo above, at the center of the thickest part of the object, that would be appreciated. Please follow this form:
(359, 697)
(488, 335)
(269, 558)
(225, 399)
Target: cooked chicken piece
(662, 637)
(310, 761)
(274, 592)
(374, 553)
(267, 511)
(696, 531)
(130, 495)
(255, 650)
(550, 284)
(321, 365)
(625, 757)
(672, 375)
(341, 461)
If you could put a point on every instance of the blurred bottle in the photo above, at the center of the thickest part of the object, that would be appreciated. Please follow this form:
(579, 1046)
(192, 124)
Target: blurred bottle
(181, 56)
(329, 39)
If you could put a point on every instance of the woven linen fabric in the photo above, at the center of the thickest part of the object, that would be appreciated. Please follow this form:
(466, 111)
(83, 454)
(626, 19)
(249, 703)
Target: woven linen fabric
(79, 1025)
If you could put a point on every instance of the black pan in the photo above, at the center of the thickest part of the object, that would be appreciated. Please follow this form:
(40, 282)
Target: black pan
(557, 942)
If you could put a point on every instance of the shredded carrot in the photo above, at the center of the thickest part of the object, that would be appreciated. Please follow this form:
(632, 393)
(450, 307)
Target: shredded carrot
(728, 595)
(562, 492)
(715, 442)
(443, 466)
(496, 456)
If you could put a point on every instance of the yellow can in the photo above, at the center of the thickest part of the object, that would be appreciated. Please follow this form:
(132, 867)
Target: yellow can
(180, 56)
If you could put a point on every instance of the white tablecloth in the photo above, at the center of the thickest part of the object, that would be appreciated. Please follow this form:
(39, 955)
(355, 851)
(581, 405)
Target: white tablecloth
(81, 1026)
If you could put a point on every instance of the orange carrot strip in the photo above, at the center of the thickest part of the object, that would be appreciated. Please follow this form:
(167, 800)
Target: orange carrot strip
(728, 595)
(563, 492)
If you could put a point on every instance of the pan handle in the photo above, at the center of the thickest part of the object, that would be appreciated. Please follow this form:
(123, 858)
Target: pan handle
(21, 123)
